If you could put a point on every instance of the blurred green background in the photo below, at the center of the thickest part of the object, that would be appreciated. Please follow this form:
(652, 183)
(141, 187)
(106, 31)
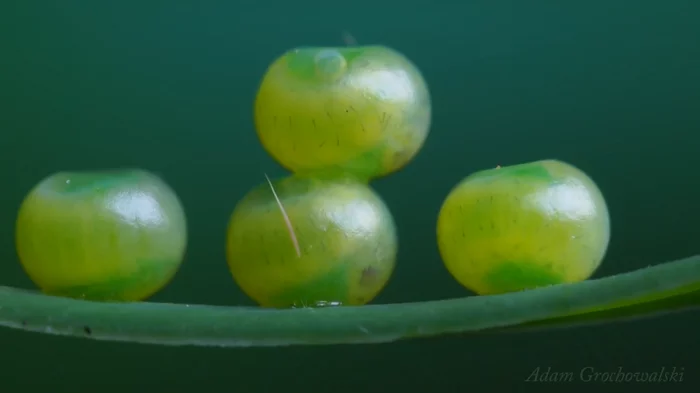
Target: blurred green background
(611, 87)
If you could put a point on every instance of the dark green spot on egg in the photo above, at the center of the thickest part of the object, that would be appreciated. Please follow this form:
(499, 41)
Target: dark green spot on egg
(529, 171)
(82, 182)
(311, 63)
(516, 276)
(332, 287)
(117, 289)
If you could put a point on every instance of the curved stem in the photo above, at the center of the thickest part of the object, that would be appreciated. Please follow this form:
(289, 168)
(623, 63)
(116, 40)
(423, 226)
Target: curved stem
(172, 324)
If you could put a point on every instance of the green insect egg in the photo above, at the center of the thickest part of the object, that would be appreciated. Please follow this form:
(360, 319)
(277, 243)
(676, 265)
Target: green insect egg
(345, 234)
(107, 235)
(359, 110)
(523, 226)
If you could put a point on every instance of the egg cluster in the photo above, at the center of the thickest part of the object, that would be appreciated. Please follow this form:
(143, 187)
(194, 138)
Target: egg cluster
(337, 118)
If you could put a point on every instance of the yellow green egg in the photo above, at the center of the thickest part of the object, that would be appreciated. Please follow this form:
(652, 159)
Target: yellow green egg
(115, 235)
(523, 226)
(359, 110)
(346, 237)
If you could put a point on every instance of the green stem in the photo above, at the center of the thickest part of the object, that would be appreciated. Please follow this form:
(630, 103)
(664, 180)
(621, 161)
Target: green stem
(173, 324)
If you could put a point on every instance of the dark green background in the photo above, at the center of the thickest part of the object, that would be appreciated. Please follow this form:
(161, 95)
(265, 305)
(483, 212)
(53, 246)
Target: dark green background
(612, 87)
